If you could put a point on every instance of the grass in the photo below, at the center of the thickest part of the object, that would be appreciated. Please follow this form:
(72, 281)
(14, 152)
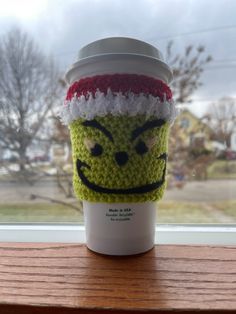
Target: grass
(38, 212)
(184, 212)
(222, 169)
(168, 212)
(227, 207)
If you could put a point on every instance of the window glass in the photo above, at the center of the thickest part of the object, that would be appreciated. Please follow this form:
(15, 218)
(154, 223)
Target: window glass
(40, 40)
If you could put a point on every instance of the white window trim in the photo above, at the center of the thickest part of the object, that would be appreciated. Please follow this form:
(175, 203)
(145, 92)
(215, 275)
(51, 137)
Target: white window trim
(165, 234)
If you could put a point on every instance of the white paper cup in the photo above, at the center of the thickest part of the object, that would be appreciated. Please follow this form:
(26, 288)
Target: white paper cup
(120, 228)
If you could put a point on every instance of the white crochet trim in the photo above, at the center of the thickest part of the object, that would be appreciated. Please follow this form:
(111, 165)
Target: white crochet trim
(116, 104)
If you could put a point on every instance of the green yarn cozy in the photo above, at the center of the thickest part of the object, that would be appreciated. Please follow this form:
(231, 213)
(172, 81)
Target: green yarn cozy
(119, 158)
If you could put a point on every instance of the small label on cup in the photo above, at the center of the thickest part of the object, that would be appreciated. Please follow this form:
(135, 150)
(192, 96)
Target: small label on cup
(120, 214)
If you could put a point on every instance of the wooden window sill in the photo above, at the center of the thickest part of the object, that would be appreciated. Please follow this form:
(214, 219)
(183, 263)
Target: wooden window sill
(68, 278)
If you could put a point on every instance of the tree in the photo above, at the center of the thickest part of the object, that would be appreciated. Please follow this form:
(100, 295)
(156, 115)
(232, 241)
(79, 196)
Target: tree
(187, 70)
(28, 90)
(222, 118)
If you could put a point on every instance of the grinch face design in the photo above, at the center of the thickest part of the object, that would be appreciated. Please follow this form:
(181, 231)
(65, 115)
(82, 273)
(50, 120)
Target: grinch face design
(119, 158)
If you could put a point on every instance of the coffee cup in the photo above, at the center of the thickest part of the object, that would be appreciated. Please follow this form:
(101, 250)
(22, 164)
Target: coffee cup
(119, 109)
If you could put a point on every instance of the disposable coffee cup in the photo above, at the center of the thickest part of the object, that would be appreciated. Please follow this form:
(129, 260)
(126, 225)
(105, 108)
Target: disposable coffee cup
(120, 228)
(119, 225)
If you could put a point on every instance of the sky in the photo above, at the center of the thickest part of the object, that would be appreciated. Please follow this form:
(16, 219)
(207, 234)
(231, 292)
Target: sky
(61, 28)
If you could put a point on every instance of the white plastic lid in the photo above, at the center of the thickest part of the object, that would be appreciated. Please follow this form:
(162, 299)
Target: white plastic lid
(119, 55)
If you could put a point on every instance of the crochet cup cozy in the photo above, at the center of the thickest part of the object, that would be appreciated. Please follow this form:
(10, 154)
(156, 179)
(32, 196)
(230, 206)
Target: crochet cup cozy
(119, 127)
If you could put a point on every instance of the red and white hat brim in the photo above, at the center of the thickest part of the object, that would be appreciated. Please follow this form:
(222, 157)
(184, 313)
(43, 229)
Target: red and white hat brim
(116, 95)
(116, 104)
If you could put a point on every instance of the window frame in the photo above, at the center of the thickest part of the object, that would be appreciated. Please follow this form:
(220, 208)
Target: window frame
(184, 234)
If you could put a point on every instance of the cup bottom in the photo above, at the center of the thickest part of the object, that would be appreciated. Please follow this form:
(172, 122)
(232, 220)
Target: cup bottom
(120, 228)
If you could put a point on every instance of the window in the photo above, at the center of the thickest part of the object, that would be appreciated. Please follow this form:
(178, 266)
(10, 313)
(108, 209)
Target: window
(184, 122)
(35, 152)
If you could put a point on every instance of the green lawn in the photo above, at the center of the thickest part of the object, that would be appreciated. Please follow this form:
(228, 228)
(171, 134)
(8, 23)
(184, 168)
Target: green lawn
(227, 207)
(38, 212)
(168, 212)
(184, 212)
(222, 169)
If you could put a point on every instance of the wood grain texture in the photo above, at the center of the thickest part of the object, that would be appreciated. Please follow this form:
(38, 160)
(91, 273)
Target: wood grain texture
(68, 277)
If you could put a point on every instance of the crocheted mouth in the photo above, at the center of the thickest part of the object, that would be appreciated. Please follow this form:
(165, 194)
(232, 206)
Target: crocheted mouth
(134, 190)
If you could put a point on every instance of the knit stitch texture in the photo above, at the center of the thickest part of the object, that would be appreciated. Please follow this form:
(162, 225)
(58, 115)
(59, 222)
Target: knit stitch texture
(119, 158)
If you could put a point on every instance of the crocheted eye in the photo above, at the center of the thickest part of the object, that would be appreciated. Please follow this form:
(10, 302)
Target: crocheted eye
(150, 142)
(141, 148)
(94, 148)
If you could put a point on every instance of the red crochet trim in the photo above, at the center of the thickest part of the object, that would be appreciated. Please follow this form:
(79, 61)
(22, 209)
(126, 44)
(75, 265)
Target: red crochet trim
(120, 83)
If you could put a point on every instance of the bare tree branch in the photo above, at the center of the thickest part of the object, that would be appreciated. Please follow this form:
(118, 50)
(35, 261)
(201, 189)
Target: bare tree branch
(29, 88)
(222, 118)
(187, 70)
(52, 200)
